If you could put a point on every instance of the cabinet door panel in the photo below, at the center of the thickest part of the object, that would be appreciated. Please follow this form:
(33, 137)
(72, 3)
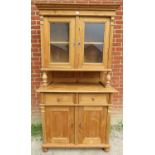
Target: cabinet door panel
(92, 125)
(59, 39)
(59, 125)
(94, 42)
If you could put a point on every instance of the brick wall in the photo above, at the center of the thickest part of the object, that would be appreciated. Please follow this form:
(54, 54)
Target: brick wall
(117, 81)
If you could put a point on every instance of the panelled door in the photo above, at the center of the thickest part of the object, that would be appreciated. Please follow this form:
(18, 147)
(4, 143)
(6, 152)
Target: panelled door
(59, 41)
(92, 123)
(59, 125)
(93, 42)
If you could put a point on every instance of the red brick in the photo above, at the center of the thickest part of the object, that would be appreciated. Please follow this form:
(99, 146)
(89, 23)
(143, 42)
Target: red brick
(117, 35)
(36, 54)
(34, 58)
(119, 13)
(118, 31)
(116, 44)
(118, 27)
(38, 79)
(33, 32)
(35, 45)
(32, 13)
(118, 18)
(36, 36)
(35, 27)
(38, 22)
(34, 7)
(35, 18)
(35, 41)
(37, 63)
(34, 49)
(118, 40)
(119, 48)
(36, 75)
(36, 67)
(33, 22)
(119, 22)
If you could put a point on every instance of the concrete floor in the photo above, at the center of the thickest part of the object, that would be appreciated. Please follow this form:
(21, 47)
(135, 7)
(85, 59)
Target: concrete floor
(116, 141)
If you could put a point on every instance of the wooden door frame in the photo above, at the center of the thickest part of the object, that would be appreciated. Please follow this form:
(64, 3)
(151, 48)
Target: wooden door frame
(46, 41)
(106, 22)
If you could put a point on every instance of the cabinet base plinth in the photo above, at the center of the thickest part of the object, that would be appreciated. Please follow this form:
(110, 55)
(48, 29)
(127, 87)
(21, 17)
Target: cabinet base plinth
(49, 145)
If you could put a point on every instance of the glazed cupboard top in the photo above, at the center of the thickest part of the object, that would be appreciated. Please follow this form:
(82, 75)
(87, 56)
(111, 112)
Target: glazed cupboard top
(69, 45)
(76, 37)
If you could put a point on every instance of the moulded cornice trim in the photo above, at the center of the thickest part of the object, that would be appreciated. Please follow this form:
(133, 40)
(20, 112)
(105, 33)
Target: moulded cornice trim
(75, 6)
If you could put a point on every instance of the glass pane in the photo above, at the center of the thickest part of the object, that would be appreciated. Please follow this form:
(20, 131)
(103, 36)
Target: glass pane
(59, 53)
(59, 32)
(93, 53)
(94, 32)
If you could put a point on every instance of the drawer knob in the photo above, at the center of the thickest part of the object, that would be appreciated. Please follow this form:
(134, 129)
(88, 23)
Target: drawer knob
(93, 99)
(58, 99)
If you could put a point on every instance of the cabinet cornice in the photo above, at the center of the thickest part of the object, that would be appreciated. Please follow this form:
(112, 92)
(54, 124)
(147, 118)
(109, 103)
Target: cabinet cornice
(75, 6)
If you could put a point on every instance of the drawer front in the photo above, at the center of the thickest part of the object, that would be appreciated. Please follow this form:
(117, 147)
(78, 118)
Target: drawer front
(59, 98)
(93, 99)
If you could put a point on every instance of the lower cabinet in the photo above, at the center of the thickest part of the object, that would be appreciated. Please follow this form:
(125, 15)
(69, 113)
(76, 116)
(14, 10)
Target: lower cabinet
(59, 125)
(70, 125)
(92, 125)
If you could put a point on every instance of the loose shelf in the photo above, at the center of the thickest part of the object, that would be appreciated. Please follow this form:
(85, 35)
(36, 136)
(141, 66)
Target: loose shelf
(77, 88)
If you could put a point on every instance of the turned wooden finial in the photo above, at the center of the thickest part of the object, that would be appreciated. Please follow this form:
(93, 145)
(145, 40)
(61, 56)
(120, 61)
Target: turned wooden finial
(108, 79)
(44, 79)
(112, 21)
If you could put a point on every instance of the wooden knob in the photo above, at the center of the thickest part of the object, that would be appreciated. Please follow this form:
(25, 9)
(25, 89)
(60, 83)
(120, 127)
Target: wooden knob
(93, 99)
(72, 125)
(58, 99)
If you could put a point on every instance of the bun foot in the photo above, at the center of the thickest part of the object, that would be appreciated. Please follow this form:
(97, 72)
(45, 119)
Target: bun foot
(106, 149)
(45, 149)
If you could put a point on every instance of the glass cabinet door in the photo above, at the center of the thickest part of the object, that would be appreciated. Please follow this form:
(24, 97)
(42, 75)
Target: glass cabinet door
(59, 42)
(94, 41)
(59, 38)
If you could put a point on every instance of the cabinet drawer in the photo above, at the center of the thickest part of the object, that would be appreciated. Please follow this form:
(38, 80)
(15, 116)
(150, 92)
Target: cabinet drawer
(59, 98)
(93, 99)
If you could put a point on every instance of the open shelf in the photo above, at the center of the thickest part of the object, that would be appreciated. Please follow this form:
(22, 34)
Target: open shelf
(77, 88)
